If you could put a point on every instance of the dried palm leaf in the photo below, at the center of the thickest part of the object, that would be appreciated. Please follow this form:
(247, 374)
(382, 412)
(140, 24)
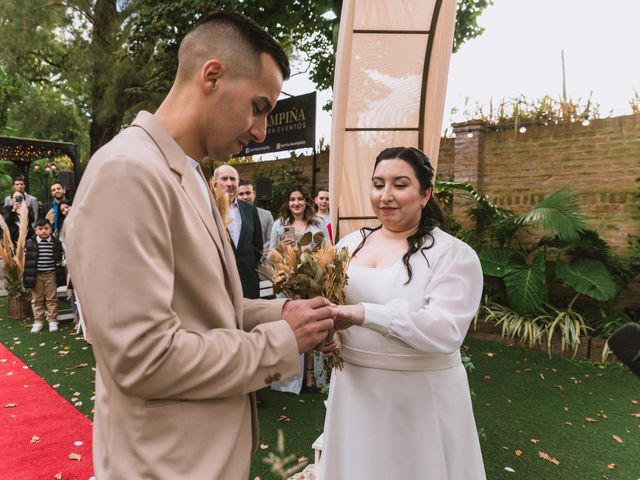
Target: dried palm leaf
(50, 216)
(6, 252)
(23, 229)
(222, 202)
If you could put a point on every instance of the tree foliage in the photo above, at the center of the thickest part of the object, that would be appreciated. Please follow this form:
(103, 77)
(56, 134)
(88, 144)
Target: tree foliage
(111, 58)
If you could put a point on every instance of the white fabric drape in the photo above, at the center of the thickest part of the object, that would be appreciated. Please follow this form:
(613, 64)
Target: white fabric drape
(391, 75)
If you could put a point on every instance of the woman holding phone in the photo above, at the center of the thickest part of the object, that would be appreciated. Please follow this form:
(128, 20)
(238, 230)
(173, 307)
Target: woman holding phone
(12, 219)
(297, 217)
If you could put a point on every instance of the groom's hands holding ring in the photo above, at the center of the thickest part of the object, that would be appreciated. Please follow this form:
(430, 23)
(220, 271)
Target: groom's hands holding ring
(310, 321)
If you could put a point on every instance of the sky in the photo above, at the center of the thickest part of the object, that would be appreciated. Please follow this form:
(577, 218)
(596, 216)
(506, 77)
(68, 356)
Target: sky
(520, 54)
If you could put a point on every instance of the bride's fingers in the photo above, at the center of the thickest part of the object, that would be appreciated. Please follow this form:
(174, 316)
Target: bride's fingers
(328, 347)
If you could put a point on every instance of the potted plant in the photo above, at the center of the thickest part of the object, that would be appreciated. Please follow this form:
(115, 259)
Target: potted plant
(18, 305)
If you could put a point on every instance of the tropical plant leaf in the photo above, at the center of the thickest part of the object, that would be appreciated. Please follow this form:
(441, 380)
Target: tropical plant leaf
(496, 261)
(589, 277)
(482, 200)
(526, 286)
(560, 214)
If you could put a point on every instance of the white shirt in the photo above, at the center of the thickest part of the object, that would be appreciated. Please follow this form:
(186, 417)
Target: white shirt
(201, 182)
(236, 222)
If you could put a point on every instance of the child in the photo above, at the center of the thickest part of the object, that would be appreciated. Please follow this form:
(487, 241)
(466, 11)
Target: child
(43, 272)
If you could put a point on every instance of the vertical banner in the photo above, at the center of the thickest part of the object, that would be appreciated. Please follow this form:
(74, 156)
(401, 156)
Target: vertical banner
(291, 125)
(389, 90)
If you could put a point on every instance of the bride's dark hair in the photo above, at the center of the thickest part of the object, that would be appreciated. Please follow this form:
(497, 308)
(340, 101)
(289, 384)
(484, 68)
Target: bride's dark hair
(431, 216)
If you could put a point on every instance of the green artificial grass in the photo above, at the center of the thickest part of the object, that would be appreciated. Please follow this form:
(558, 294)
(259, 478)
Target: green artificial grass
(573, 408)
(521, 396)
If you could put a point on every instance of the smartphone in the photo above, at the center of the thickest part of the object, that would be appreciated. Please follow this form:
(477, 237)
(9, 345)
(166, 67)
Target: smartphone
(18, 198)
(289, 233)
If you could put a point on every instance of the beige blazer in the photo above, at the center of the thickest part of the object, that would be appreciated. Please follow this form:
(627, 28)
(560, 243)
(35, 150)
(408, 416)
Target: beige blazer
(178, 350)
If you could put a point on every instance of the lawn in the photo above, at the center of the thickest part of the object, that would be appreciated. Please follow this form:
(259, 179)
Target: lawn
(585, 416)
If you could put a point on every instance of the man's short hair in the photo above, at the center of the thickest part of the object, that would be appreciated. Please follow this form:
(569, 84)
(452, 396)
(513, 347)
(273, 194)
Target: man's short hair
(322, 188)
(243, 182)
(234, 39)
(42, 222)
(19, 178)
(56, 183)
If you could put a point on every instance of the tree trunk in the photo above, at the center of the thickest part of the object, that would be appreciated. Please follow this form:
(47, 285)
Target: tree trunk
(106, 117)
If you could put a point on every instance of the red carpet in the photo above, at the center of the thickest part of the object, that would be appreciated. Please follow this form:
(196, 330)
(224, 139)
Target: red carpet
(30, 408)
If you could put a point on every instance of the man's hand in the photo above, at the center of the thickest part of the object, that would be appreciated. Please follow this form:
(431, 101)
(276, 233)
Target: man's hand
(310, 321)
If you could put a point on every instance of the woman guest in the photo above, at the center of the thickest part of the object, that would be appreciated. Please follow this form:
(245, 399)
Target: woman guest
(401, 407)
(322, 206)
(297, 217)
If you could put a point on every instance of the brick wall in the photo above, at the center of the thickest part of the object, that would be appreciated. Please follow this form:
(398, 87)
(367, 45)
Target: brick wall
(601, 160)
(251, 171)
(446, 158)
(516, 171)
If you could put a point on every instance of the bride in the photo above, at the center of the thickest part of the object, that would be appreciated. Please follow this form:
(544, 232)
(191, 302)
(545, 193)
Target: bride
(401, 407)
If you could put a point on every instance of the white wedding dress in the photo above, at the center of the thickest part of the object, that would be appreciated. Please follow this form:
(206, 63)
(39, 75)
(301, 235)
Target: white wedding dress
(401, 407)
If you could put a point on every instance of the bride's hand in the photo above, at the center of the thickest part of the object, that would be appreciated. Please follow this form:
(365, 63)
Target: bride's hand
(331, 343)
(348, 315)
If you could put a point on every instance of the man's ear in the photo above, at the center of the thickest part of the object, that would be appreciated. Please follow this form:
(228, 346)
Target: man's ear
(211, 73)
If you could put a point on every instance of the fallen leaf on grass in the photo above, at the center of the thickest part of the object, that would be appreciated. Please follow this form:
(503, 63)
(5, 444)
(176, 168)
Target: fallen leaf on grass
(35, 439)
(590, 420)
(283, 418)
(602, 415)
(637, 415)
(568, 423)
(634, 402)
(611, 466)
(546, 457)
(559, 387)
(487, 377)
(518, 453)
(490, 354)
(541, 376)
(263, 446)
(535, 441)
(617, 438)
(75, 456)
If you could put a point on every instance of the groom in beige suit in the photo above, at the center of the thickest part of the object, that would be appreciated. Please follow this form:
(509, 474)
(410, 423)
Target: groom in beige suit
(178, 350)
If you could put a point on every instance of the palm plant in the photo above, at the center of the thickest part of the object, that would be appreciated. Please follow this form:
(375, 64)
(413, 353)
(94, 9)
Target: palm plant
(526, 265)
(527, 271)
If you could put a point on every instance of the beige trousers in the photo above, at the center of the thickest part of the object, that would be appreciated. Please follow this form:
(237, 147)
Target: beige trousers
(44, 297)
